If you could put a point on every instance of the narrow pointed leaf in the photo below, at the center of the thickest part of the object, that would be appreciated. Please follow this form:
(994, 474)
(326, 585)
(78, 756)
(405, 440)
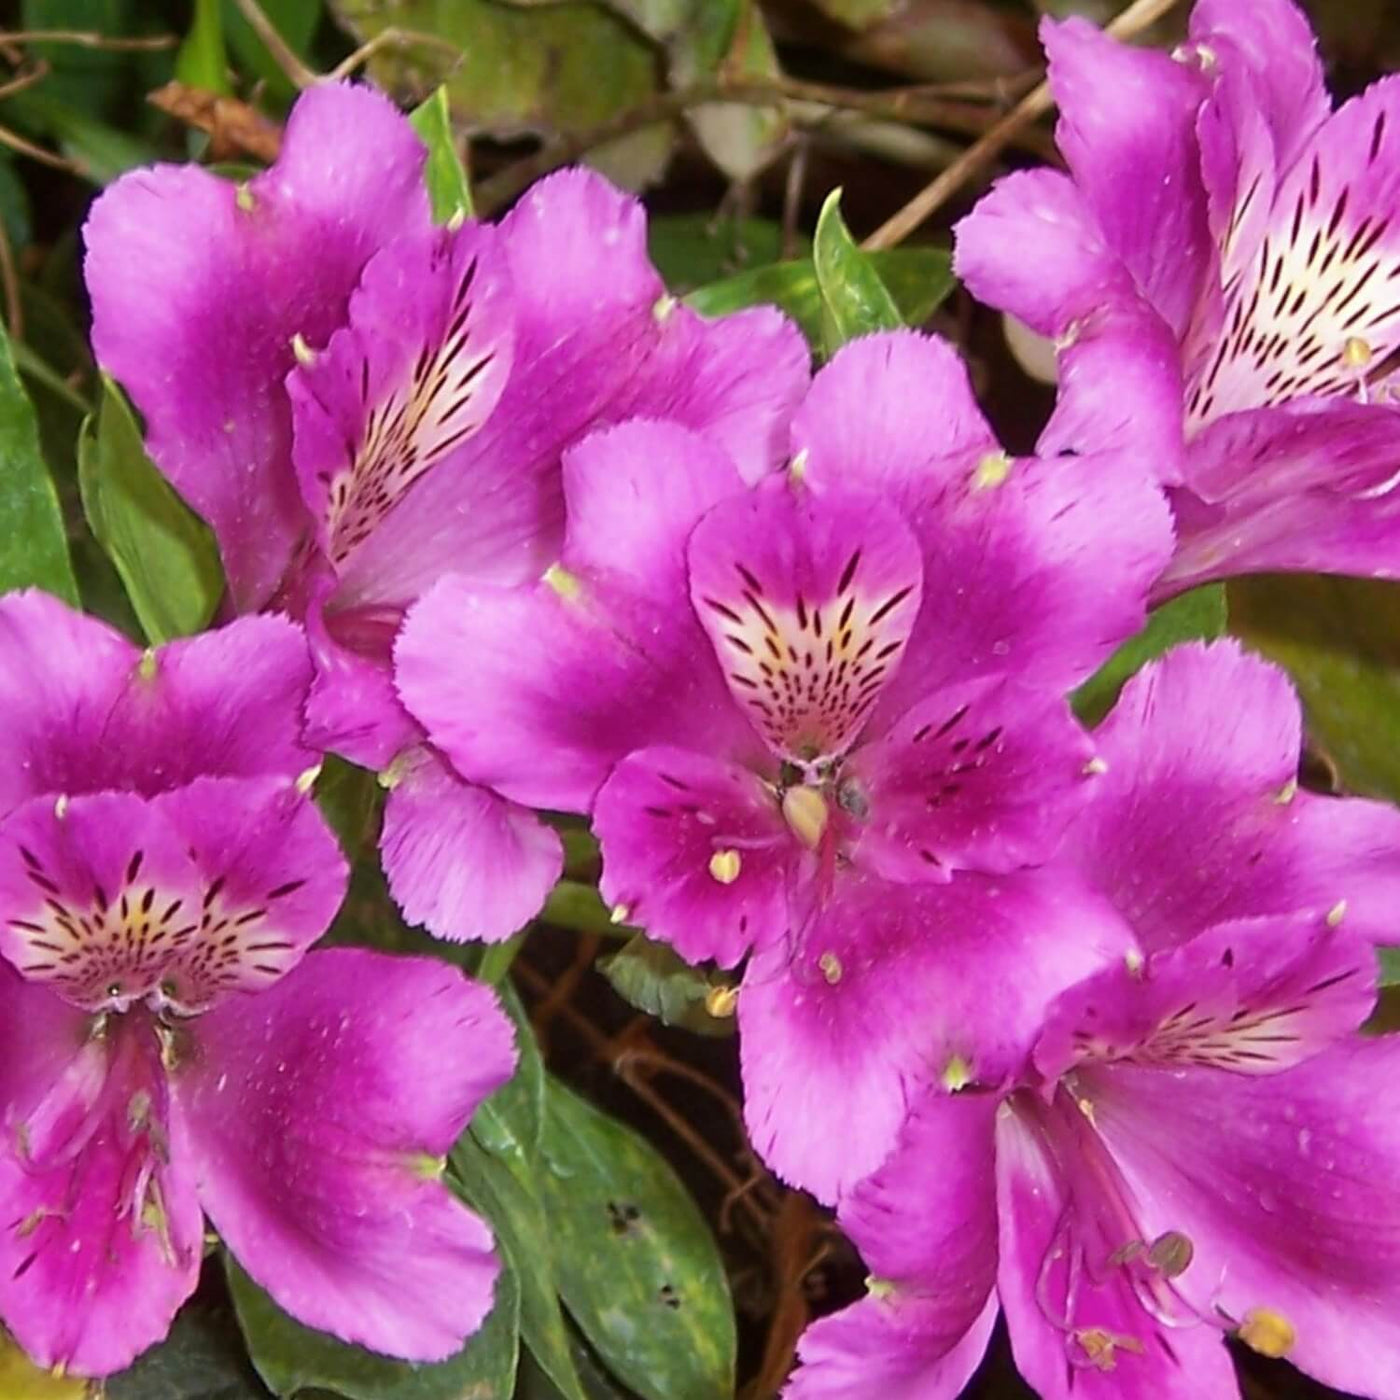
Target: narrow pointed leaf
(165, 554)
(445, 175)
(854, 299)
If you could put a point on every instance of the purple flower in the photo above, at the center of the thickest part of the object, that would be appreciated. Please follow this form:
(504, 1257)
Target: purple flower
(359, 403)
(818, 721)
(1223, 268)
(169, 1053)
(1203, 1144)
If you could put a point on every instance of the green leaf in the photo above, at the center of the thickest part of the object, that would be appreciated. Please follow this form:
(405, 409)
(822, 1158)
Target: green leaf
(202, 61)
(918, 279)
(654, 978)
(693, 250)
(290, 1357)
(638, 1268)
(294, 20)
(1339, 638)
(165, 554)
(558, 68)
(445, 175)
(203, 1358)
(509, 1123)
(1390, 967)
(1195, 616)
(101, 152)
(33, 545)
(854, 299)
(21, 1379)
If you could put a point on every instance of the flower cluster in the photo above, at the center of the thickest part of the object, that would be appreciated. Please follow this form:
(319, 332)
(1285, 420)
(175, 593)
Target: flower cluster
(1065, 1023)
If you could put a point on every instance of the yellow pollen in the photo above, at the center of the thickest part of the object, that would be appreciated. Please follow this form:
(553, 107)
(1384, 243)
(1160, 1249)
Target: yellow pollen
(1356, 353)
(879, 1287)
(1095, 767)
(147, 666)
(663, 309)
(725, 866)
(797, 468)
(244, 199)
(1287, 792)
(565, 584)
(620, 914)
(307, 780)
(426, 1166)
(1267, 1332)
(957, 1074)
(1336, 913)
(721, 1001)
(1086, 1107)
(830, 965)
(1100, 1345)
(306, 356)
(392, 776)
(806, 813)
(992, 470)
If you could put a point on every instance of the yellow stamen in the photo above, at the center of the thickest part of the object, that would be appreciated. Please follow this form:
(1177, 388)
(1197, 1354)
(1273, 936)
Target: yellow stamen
(806, 813)
(720, 1002)
(1267, 1332)
(307, 780)
(565, 584)
(1095, 767)
(831, 968)
(1287, 792)
(725, 866)
(305, 355)
(957, 1074)
(879, 1287)
(620, 914)
(797, 468)
(992, 470)
(148, 665)
(1336, 913)
(244, 199)
(1356, 353)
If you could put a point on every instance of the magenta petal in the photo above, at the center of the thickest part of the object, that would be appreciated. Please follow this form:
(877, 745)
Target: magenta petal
(84, 712)
(982, 776)
(102, 1235)
(539, 691)
(1275, 43)
(808, 601)
(1287, 1193)
(926, 1226)
(1038, 568)
(1251, 996)
(1198, 818)
(883, 411)
(1128, 130)
(414, 375)
(1279, 489)
(1108, 1347)
(198, 288)
(696, 851)
(313, 1114)
(890, 988)
(461, 861)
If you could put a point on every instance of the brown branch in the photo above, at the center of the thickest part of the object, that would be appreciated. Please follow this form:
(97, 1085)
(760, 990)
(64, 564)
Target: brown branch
(913, 106)
(281, 51)
(27, 148)
(85, 40)
(394, 37)
(1008, 130)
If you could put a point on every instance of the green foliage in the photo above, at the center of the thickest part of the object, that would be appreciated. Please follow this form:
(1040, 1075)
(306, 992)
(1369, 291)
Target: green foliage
(294, 20)
(446, 177)
(1340, 641)
(202, 61)
(918, 279)
(166, 556)
(201, 1359)
(1195, 616)
(694, 250)
(33, 544)
(855, 301)
(654, 978)
(292, 1358)
(638, 1268)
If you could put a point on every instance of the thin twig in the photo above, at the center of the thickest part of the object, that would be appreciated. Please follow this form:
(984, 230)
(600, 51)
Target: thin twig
(393, 37)
(10, 278)
(27, 148)
(281, 51)
(21, 81)
(1034, 105)
(908, 105)
(84, 40)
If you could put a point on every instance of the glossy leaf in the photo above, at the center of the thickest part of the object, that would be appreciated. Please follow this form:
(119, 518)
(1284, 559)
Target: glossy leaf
(290, 1357)
(917, 278)
(509, 1123)
(165, 554)
(445, 175)
(33, 544)
(1195, 616)
(203, 1358)
(654, 978)
(638, 1268)
(854, 299)
(1339, 639)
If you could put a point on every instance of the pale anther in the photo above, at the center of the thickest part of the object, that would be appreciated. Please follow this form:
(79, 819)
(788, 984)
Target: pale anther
(807, 815)
(725, 866)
